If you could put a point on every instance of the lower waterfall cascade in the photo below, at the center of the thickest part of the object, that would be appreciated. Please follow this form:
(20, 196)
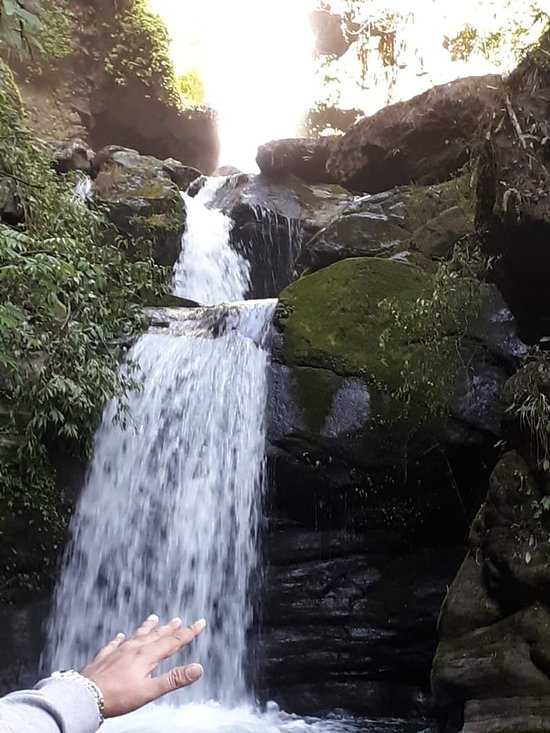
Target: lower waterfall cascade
(170, 517)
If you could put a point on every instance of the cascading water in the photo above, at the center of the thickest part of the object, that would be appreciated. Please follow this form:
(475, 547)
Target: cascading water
(209, 271)
(168, 521)
(169, 518)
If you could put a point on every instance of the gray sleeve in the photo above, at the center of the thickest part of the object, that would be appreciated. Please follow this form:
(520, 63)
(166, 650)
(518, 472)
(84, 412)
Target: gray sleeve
(54, 706)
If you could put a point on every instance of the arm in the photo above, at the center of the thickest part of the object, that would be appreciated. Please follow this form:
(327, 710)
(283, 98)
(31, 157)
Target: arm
(122, 673)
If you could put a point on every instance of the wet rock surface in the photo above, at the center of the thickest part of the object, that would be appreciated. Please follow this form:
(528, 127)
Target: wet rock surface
(349, 620)
(272, 219)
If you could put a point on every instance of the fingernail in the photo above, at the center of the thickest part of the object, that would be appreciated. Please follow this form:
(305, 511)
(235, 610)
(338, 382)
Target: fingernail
(153, 617)
(176, 622)
(194, 672)
(120, 636)
(200, 624)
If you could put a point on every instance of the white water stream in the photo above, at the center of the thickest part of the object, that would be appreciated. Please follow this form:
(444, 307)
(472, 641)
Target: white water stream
(169, 519)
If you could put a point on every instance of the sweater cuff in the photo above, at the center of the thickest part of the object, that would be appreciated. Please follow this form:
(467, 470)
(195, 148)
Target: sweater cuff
(75, 705)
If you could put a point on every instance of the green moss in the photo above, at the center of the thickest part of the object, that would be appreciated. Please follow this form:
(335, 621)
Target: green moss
(315, 390)
(394, 325)
(335, 320)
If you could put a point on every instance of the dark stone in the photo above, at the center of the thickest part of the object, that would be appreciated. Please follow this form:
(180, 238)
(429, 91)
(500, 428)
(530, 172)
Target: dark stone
(424, 140)
(22, 637)
(271, 220)
(513, 193)
(73, 155)
(525, 714)
(495, 624)
(429, 219)
(305, 158)
(182, 175)
(142, 202)
(349, 621)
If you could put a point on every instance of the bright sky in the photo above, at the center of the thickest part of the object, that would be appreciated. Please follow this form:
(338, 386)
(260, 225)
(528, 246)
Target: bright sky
(256, 60)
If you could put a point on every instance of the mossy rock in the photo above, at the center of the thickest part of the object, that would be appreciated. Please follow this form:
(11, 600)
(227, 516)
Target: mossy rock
(384, 374)
(335, 319)
(429, 219)
(143, 203)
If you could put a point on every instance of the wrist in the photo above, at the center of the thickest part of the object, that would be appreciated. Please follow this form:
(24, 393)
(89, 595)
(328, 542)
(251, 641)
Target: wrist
(74, 676)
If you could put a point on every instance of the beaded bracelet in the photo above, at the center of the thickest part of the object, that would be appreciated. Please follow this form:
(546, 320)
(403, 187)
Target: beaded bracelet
(90, 685)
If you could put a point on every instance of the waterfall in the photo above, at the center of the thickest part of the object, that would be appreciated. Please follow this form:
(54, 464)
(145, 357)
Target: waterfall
(169, 518)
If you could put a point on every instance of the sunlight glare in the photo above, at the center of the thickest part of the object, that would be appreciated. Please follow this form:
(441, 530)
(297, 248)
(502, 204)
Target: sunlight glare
(256, 60)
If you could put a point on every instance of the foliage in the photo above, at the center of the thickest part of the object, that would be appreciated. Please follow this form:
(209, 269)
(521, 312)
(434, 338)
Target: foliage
(141, 50)
(388, 55)
(529, 403)
(69, 306)
(436, 325)
(56, 35)
(45, 32)
(191, 88)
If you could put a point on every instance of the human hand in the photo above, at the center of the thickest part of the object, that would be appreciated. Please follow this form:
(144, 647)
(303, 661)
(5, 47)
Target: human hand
(123, 669)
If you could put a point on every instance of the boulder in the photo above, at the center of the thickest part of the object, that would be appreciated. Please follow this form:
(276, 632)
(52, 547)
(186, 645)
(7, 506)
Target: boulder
(328, 30)
(305, 158)
(142, 202)
(424, 140)
(182, 175)
(72, 155)
(367, 404)
(272, 218)
(494, 625)
(430, 220)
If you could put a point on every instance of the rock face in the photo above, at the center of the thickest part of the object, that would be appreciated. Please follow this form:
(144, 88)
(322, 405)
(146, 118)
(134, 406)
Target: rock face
(73, 155)
(430, 220)
(356, 421)
(424, 140)
(142, 202)
(349, 621)
(305, 158)
(494, 636)
(272, 218)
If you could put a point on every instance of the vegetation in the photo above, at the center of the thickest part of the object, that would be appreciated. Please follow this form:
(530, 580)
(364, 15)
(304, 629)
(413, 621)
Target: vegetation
(384, 47)
(528, 398)
(141, 51)
(70, 306)
(438, 322)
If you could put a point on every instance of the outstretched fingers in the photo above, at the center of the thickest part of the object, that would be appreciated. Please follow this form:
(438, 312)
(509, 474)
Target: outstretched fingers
(173, 637)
